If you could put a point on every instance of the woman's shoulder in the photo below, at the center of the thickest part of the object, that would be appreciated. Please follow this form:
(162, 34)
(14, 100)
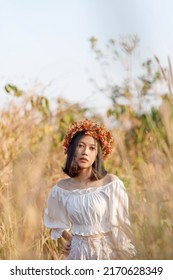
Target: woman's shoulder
(63, 184)
(110, 178)
(115, 180)
(60, 184)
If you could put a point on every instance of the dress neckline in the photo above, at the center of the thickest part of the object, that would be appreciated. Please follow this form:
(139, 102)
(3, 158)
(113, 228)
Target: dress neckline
(92, 189)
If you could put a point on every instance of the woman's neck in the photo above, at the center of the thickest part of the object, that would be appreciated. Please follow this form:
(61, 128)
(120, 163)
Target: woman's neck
(84, 175)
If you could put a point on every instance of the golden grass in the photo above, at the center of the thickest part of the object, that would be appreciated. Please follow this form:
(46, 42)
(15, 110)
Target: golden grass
(31, 158)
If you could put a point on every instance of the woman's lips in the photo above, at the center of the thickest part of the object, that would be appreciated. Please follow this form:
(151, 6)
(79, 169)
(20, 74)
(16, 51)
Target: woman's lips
(84, 159)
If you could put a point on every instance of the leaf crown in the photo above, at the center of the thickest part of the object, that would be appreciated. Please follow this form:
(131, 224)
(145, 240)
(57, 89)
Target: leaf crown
(98, 132)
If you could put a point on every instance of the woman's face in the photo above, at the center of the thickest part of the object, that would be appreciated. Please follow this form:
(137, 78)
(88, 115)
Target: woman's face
(86, 152)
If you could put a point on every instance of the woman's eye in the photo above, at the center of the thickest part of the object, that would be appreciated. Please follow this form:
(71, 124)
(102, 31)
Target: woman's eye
(92, 148)
(80, 145)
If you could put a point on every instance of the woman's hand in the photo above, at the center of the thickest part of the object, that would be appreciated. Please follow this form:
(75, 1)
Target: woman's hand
(66, 247)
(67, 244)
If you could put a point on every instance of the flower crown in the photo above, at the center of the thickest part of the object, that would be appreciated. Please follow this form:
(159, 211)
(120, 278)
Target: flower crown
(90, 128)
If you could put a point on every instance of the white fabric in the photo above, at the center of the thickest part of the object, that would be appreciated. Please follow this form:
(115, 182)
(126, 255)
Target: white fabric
(91, 211)
(92, 248)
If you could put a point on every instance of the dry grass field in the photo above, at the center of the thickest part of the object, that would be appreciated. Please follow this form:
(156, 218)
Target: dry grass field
(31, 160)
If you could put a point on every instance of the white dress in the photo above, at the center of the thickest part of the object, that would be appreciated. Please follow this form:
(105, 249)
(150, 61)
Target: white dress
(85, 212)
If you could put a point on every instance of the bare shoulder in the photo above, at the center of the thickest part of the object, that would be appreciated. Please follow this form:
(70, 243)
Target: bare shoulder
(120, 185)
(63, 183)
(110, 178)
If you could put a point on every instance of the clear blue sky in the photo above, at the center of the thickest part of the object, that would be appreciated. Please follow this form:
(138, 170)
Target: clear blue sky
(47, 41)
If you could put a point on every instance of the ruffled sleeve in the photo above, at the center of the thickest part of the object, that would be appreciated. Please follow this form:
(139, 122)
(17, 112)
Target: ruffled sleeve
(120, 222)
(55, 216)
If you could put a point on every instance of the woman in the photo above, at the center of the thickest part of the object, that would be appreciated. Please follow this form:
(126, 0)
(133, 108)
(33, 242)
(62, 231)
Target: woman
(90, 208)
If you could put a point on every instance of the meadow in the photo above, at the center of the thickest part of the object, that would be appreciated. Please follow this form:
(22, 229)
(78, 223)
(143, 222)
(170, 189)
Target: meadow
(31, 161)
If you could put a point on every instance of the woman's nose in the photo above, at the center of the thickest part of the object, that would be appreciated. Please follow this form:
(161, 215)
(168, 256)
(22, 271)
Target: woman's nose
(85, 151)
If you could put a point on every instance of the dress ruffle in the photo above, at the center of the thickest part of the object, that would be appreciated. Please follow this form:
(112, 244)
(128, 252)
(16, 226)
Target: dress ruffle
(86, 248)
(92, 211)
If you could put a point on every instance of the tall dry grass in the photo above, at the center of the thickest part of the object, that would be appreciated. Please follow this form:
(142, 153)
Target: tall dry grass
(149, 181)
(31, 158)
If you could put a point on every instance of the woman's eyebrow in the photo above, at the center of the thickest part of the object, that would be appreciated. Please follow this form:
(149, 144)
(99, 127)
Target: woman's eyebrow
(85, 143)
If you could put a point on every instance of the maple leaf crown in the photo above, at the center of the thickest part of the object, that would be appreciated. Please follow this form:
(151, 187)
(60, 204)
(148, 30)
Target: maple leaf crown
(98, 132)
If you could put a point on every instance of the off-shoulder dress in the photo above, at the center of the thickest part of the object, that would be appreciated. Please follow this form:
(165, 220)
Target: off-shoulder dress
(101, 211)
